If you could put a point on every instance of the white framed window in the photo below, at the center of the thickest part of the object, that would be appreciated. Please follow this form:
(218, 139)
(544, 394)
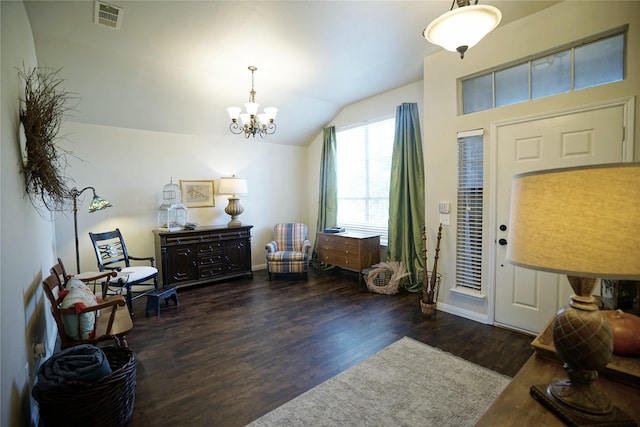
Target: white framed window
(470, 210)
(364, 155)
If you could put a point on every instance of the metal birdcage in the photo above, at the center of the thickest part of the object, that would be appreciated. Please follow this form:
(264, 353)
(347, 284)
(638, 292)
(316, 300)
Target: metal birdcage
(172, 214)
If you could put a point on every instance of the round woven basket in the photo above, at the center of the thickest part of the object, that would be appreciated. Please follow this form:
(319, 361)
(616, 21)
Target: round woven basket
(107, 402)
(385, 277)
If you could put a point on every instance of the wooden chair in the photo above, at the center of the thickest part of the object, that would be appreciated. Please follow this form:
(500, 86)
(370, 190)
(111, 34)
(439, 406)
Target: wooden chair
(95, 278)
(112, 318)
(112, 255)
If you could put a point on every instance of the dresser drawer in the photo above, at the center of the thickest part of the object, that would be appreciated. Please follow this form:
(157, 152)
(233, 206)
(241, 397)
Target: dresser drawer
(341, 260)
(342, 253)
(338, 242)
(211, 272)
(212, 259)
(210, 248)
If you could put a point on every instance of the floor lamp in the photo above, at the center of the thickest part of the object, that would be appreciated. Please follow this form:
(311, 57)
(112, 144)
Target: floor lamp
(583, 222)
(97, 203)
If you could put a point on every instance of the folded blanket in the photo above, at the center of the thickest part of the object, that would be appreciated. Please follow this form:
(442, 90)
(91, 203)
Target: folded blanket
(79, 364)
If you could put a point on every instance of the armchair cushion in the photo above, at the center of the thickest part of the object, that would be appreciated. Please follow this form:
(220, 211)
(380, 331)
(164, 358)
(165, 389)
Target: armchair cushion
(78, 296)
(287, 256)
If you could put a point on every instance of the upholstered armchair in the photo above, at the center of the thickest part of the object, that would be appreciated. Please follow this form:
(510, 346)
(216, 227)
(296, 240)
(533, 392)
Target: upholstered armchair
(288, 252)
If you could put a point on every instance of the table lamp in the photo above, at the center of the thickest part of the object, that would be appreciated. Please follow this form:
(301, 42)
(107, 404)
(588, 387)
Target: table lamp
(233, 186)
(583, 222)
(97, 204)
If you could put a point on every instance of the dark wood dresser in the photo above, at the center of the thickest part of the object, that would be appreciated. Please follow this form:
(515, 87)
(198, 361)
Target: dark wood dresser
(350, 250)
(207, 254)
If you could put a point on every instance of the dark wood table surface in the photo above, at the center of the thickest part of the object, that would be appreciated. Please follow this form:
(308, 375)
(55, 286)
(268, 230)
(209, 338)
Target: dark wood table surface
(515, 406)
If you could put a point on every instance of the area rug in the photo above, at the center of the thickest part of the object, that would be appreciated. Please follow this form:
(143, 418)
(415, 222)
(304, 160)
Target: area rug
(407, 383)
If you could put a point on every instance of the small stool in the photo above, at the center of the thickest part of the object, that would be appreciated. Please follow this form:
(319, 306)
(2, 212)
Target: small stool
(153, 299)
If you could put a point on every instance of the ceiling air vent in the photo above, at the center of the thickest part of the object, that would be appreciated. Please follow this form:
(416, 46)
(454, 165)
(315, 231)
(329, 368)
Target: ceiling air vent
(108, 15)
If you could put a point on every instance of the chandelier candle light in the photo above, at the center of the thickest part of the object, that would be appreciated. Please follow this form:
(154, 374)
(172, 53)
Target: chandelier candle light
(97, 204)
(583, 222)
(460, 29)
(252, 123)
(233, 186)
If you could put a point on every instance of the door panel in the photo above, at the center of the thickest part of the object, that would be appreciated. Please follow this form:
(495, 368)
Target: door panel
(527, 299)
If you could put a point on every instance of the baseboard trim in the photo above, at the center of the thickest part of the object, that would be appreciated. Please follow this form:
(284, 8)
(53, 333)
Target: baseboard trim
(467, 314)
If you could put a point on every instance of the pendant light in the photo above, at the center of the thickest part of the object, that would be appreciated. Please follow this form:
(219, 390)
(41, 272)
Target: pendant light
(460, 29)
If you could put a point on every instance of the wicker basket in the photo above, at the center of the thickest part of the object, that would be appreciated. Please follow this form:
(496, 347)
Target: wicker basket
(107, 402)
(385, 277)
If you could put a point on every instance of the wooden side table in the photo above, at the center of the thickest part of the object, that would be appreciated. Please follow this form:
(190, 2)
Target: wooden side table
(515, 406)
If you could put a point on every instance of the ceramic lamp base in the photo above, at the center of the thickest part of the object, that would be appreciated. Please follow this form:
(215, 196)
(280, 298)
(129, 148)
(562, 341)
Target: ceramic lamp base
(234, 208)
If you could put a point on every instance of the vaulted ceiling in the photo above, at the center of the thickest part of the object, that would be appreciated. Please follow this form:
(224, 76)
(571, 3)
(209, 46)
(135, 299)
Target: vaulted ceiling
(175, 66)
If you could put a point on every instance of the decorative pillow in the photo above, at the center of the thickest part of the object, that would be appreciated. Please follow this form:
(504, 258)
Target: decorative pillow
(78, 296)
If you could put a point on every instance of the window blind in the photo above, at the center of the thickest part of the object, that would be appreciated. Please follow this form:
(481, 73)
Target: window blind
(470, 209)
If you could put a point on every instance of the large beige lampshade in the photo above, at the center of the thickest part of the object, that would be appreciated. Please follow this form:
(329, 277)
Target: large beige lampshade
(581, 221)
(233, 186)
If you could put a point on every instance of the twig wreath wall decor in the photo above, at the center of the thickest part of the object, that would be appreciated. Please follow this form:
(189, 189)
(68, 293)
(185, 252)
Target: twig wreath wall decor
(43, 163)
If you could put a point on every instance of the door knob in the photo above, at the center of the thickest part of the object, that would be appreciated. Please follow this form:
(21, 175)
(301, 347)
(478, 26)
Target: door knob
(502, 242)
(503, 227)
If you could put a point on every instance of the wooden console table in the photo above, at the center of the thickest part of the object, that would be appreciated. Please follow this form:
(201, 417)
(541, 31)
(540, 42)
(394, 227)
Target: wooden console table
(350, 250)
(203, 255)
(515, 406)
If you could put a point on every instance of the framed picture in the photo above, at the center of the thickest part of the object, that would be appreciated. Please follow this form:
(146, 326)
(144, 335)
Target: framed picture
(197, 194)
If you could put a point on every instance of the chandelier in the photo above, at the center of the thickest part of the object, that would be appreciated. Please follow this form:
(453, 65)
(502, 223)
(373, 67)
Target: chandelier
(251, 123)
(460, 29)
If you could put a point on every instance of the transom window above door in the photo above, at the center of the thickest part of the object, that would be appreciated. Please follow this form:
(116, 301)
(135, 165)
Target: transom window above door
(592, 62)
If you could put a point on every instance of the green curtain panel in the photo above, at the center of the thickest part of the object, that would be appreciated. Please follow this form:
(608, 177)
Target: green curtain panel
(406, 194)
(328, 197)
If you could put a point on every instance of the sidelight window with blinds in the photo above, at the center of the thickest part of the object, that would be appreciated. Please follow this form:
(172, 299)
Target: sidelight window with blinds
(470, 210)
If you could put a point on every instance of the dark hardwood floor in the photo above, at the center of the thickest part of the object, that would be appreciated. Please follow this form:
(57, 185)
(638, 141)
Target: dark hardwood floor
(232, 351)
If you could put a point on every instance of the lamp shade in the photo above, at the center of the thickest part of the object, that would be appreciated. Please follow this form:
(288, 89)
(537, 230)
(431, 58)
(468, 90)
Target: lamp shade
(98, 203)
(582, 221)
(233, 186)
(462, 27)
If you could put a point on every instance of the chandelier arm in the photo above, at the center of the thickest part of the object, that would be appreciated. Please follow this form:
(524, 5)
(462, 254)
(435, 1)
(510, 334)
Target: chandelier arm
(270, 128)
(235, 128)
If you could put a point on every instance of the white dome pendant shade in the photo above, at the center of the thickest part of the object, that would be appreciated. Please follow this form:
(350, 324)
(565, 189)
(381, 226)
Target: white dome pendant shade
(460, 29)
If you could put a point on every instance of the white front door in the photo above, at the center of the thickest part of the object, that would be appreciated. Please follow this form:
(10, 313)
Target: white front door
(527, 299)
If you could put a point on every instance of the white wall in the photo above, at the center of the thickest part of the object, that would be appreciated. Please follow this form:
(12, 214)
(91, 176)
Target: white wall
(130, 167)
(552, 27)
(370, 109)
(26, 238)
